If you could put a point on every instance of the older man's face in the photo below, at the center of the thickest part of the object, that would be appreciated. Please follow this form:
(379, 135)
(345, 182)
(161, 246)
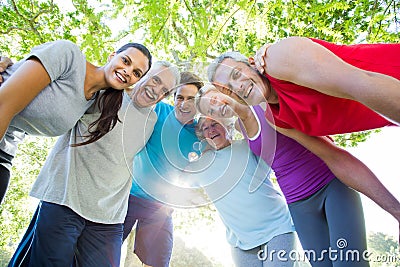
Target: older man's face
(158, 83)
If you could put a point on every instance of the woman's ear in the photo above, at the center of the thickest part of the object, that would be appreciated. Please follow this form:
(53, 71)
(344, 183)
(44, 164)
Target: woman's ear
(252, 62)
(111, 56)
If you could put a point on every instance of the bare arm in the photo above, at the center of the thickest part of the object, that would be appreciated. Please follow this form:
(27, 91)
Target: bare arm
(348, 169)
(20, 89)
(304, 62)
(248, 119)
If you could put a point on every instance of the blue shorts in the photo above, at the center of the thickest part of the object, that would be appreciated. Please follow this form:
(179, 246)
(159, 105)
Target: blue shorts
(154, 230)
(57, 236)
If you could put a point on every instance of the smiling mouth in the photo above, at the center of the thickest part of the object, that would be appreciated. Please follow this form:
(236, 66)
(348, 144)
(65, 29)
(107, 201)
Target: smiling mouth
(121, 77)
(149, 93)
(184, 111)
(248, 91)
(223, 110)
(212, 137)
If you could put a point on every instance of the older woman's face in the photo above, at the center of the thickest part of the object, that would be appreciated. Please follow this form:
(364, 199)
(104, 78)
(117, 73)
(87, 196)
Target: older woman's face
(215, 134)
(217, 105)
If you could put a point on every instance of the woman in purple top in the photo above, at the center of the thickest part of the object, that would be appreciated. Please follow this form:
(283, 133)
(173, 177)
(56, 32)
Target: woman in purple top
(327, 215)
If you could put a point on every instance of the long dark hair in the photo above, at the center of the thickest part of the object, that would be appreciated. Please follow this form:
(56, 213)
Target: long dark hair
(110, 102)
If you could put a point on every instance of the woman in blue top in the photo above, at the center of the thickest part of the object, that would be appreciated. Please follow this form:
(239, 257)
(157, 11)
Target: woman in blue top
(258, 224)
(47, 92)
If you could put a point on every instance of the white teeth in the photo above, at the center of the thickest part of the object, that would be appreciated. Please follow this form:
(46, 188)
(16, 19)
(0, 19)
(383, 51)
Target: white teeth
(223, 110)
(149, 92)
(122, 78)
(248, 91)
(184, 111)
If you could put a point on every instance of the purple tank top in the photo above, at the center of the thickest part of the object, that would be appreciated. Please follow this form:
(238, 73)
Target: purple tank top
(298, 171)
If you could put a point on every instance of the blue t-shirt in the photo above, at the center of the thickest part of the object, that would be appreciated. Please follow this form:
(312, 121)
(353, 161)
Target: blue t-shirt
(165, 154)
(251, 218)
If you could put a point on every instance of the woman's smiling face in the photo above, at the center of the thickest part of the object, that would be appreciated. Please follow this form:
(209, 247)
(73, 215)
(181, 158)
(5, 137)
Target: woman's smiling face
(215, 134)
(217, 105)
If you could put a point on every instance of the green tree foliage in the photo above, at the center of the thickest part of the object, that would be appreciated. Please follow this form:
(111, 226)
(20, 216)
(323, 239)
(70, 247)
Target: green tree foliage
(384, 250)
(196, 29)
(352, 139)
(18, 207)
(24, 24)
(184, 31)
(27, 23)
(200, 29)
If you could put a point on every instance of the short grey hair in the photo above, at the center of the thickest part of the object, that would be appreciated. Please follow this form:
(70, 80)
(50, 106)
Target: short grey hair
(227, 123)
(171, 67)
(212, 68)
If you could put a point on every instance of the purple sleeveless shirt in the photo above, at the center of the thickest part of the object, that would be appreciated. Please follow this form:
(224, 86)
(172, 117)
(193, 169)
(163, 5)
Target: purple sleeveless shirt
(298, 171)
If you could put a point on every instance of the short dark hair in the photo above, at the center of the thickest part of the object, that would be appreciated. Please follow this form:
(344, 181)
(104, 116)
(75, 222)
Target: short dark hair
(188, 77)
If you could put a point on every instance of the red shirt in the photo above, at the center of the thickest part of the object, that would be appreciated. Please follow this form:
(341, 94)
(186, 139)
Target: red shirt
(318, 114)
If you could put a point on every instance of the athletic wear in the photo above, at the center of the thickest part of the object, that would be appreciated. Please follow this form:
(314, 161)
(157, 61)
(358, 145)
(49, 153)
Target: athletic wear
(251, 218)
(84, 192)
(94, 180)
(324, 210)
(153, 231)
(154, 167)
(318, 114)
(299, 172)
(58, 107)
(164, 156)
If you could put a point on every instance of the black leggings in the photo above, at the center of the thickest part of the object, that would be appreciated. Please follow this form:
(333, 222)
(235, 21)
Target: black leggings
(5, 165)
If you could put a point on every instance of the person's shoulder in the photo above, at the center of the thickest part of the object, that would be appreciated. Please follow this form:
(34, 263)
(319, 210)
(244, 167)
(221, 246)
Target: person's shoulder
(163, 108)
(165, 105)
(64, 45)
(240, 142)
(65, 42)
(58, 50)
(60, 58)
(68, 46)
(292, 41)
(239, 145)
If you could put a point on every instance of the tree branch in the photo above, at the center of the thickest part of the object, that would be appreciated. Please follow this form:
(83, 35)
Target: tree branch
(16, 10)
(386, 10)
(30, 21)
(193, 16)
(180, 34)
(223, 25)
